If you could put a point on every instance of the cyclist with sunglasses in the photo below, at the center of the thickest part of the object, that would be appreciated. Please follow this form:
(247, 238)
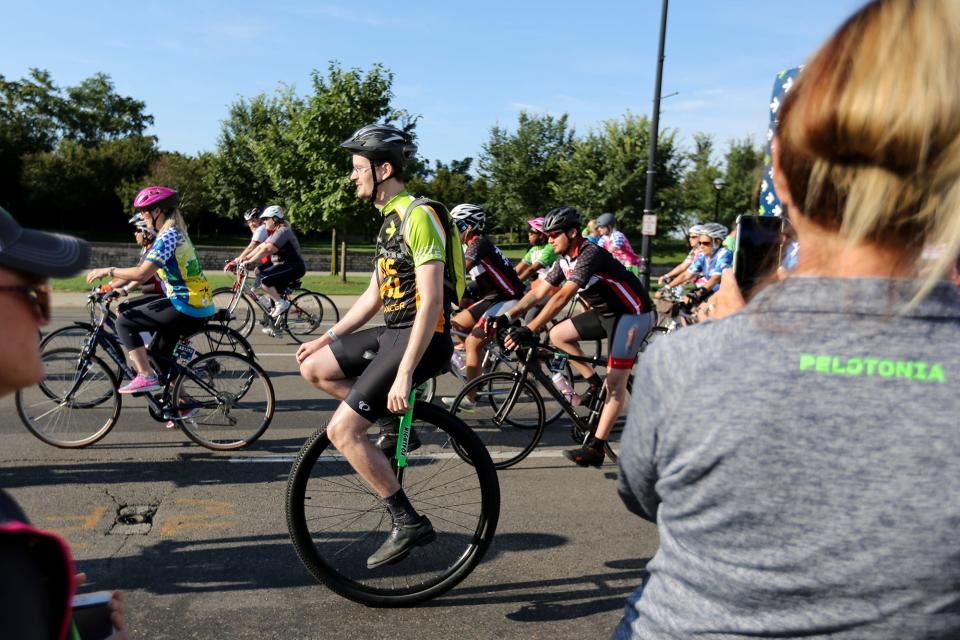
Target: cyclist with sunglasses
(187, 303)
(144, 237)
(621, 310)
(713, 260)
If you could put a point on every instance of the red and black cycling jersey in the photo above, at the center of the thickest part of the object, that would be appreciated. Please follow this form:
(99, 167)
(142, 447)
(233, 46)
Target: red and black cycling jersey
(605, 284)
(491, 270)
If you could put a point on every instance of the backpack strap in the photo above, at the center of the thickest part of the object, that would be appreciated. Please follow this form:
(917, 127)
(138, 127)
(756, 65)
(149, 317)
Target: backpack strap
(449, 280)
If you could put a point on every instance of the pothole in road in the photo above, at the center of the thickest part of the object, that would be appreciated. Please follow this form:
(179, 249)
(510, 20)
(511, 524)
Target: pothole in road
(134, 520)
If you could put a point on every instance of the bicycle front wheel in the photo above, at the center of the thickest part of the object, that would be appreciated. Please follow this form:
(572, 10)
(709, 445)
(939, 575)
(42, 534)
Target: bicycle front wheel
(76, 403)
(336, 520)
(244, 315)
(506, 413)
(222, 401)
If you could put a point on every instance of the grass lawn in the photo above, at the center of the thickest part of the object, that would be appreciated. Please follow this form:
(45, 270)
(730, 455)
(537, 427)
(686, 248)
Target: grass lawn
(330, 285)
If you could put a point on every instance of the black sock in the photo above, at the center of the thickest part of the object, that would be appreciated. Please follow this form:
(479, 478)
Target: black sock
(595, 381)
(400, 508)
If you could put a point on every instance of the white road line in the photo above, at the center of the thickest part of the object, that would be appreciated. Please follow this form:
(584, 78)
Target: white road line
(540, 453)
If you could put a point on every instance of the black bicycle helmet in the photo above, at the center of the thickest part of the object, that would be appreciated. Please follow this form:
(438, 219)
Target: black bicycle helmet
(382, 143)
(561, 219)
(251, 214)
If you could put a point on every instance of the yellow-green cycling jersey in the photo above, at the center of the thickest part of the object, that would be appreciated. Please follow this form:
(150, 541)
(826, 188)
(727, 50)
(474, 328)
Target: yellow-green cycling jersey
(179, 269)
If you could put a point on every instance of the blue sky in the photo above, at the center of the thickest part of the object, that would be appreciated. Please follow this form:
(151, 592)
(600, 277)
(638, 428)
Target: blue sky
(462, 66)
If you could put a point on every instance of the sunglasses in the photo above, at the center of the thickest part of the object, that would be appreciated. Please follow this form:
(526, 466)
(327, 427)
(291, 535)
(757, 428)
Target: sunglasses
(38, 294)
(556, 234)
(705, 244)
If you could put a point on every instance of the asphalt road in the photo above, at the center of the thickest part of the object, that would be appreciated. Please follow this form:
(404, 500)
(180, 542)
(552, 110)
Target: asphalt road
(216, 560)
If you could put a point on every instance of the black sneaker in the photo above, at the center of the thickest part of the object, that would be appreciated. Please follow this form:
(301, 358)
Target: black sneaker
(402, 538)
(387, 442)
(586, 456)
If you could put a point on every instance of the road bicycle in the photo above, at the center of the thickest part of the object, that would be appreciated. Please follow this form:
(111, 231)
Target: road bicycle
(509, 413)
(222, 400)
(308, 312)
(213, 336)
(336, 520)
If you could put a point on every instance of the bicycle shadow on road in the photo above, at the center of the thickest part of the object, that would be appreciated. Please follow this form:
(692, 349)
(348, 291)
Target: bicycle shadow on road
(554, 600)
(170, 567)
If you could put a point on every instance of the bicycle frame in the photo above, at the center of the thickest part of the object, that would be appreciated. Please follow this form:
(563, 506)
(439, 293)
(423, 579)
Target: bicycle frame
(111, 345)
(535, 357)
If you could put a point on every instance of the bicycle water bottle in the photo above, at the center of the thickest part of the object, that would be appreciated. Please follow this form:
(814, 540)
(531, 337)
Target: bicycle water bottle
(565, 387)
(457, 359)
(265, 302)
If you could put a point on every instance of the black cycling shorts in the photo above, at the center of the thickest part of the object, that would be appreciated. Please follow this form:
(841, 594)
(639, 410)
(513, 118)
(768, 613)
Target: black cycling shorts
(375, 376)
(624, 333)
(279, 276)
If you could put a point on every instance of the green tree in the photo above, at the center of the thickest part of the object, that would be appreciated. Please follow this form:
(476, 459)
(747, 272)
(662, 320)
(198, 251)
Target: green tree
(94, 112)
(607, 172)
(75, 186)
(451, 184)
(697, 196)
(238, 180)
(522, 167)
(744, 168)
(300, 151)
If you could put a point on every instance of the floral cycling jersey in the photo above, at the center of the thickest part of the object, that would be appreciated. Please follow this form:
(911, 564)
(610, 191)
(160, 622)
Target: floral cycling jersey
(617, 244)
(605, 284)
(708, 266)
(425, 234)
(491, 270)
(179, 269)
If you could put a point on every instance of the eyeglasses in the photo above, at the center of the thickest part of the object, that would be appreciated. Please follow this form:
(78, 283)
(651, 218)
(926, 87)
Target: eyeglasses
(37, 294)
(359, 170)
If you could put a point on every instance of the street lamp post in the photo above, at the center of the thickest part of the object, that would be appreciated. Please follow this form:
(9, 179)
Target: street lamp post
(718, 184)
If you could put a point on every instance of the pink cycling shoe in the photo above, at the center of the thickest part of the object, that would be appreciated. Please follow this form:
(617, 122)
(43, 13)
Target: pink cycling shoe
(141, 384)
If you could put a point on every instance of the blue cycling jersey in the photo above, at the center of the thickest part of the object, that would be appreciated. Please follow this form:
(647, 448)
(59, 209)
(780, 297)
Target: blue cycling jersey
(708, 266)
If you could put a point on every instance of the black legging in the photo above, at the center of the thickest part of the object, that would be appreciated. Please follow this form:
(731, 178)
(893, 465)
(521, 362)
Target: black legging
(279, 276)
(155, 314)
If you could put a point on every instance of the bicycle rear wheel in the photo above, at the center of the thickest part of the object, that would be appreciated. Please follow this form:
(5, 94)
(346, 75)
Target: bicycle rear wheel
(305, 317)
(223, 401)
(336, 520)
(507, 415)
(217, 337)
(74, 405)
(244, 314)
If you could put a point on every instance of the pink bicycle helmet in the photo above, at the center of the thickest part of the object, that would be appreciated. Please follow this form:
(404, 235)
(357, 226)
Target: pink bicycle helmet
(150, 196)
(536, 224)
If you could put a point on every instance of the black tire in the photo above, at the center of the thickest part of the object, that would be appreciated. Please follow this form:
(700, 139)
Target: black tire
(73, 337)
(86, 417)
(244, 315)
(305, 320)
(217, 337)
(508, 419)
(232, 399)
(336, 521)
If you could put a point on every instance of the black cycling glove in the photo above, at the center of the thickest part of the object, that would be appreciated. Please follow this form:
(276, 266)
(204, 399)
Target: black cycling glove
(523, 336)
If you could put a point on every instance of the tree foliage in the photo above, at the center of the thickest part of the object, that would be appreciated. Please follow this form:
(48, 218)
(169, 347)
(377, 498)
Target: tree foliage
(451, 184)
(524, 166)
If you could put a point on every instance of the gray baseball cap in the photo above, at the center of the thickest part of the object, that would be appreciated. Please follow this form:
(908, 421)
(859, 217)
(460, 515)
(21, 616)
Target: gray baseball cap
(38, 252)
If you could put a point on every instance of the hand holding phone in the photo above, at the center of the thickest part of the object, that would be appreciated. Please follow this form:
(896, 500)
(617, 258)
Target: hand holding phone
(91, 614)
(758, 250)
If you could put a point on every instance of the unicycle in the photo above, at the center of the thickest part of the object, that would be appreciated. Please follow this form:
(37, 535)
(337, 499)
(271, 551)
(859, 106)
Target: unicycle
(336, 520)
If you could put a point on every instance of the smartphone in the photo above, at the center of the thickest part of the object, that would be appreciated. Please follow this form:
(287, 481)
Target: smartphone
(91, 614)
(758, 250)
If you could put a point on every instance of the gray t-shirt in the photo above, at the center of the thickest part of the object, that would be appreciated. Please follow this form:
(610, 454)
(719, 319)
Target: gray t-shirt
(288, 247)
(802, 461)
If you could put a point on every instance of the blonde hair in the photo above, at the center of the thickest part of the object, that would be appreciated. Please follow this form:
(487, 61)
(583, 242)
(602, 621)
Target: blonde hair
(174, 219)
(870, 133)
